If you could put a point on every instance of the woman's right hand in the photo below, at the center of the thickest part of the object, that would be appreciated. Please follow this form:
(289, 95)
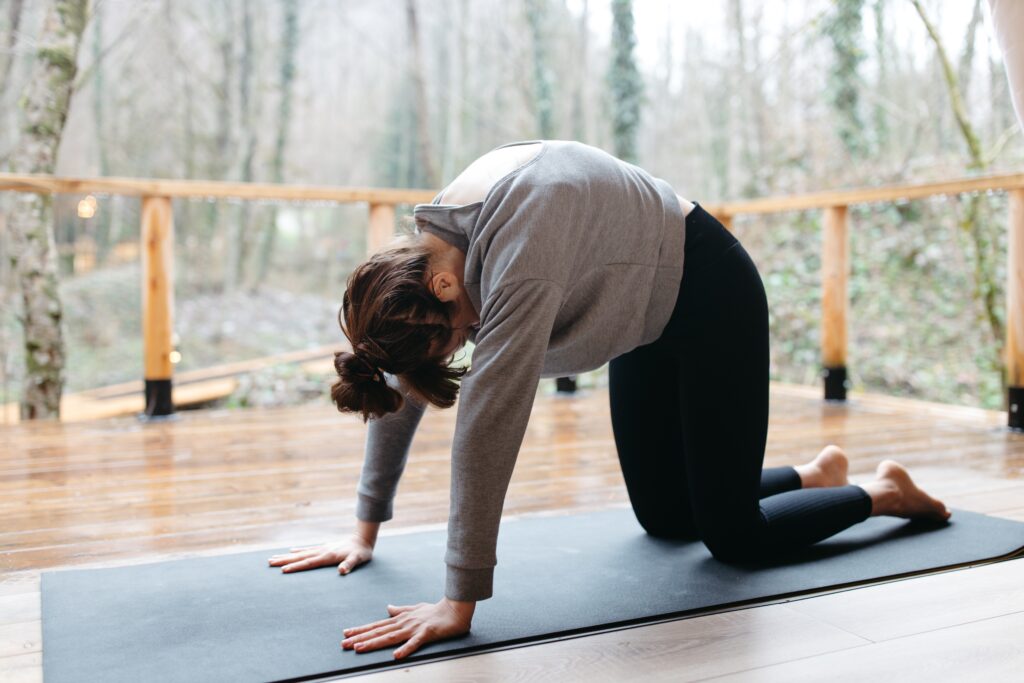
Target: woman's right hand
(347, 554)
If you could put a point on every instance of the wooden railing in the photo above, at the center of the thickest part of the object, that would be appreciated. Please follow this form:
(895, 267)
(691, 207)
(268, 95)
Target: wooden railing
(835, 265)
(157, 254)
(158, 244)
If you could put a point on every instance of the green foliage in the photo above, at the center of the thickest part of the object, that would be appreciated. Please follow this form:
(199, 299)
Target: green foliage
(915, 328)
(60, 58)
(287, 384)
(73, 15)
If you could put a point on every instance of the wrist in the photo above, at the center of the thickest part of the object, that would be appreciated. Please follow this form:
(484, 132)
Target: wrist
(463, 608)
(367, 532)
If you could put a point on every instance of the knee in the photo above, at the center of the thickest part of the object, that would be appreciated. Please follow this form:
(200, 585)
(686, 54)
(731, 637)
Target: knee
(670, 529)
(731, 546)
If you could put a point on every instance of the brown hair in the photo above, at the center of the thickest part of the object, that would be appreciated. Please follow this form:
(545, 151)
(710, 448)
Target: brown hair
(392, 321)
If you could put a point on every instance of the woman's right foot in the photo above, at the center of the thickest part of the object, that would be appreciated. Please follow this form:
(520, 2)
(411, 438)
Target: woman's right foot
(830, 468)
(894, 493)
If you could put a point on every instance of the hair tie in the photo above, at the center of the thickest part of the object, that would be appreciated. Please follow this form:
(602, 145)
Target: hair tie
(372, 371)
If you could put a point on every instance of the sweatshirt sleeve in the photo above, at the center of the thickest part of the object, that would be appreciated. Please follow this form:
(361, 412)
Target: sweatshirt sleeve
(496, 398)
(388, 439)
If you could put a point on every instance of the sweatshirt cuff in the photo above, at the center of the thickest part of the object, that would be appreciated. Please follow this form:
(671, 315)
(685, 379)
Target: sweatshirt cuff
(371, 509)
(469, 584)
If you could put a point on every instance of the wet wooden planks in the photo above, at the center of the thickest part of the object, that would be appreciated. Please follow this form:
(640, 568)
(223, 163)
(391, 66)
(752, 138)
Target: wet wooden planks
(114, 492)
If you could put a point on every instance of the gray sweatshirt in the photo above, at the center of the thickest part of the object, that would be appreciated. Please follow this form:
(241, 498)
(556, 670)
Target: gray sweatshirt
(572, 259)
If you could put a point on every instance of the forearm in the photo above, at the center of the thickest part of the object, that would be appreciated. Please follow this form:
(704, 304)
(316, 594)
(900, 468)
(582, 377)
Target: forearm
(388, 440)
(494, 409)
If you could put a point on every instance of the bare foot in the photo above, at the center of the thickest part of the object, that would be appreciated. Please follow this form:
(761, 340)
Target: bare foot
(894, 493)
(828, 469)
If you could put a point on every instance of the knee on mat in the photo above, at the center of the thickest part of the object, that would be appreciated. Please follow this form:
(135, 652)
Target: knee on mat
(732, 547)
(673, 530)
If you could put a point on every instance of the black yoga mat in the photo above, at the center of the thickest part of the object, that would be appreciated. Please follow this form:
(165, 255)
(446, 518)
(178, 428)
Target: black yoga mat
(234, 618)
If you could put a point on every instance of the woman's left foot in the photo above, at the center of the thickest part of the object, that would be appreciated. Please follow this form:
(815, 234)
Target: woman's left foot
(828, 469)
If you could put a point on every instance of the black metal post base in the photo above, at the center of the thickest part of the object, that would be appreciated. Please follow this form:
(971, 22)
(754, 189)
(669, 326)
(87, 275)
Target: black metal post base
(565, 385)
(835, 383)
(158, 398)
(1015, 408)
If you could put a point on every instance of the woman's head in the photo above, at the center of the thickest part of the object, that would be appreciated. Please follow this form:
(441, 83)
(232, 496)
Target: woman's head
(397, 324)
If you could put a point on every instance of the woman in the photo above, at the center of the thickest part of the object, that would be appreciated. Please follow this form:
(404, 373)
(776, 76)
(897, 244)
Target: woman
(554, 258)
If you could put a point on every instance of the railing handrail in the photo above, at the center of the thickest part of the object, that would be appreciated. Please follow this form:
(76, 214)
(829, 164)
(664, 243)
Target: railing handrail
(50, 184)
(867, 195)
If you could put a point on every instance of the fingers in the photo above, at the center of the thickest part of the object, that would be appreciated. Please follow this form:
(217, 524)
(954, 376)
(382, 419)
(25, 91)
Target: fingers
(372, 634)
(411, 645)
(308, 563)
(287, 559)
(425, 624)
(277, 560)
(378, 639)
(356, 630)
(399, 609)
(351, 562)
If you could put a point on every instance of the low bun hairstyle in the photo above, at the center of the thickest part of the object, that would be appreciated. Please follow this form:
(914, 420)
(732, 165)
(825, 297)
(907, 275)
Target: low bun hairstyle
(360, 383)
(392, 320)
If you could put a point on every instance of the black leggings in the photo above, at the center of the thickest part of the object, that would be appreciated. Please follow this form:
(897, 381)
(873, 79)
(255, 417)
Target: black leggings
(690, 418)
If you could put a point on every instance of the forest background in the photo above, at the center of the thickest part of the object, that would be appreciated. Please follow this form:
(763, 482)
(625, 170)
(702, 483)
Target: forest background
(724, 100)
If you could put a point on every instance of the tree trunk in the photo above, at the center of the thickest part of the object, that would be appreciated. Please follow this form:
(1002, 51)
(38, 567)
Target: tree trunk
(984, 272)
(844, 30)
(188, 229)
(579, 118)
(966, 66)
(456, 78)
(44, 105)
(882, 83)
(741, 161)
(101, 221)
(7, 54)
(238, 240)
(289, 44)
(428, 172)
(219, 161)
(956, 99)
(536, 16)
(7, 61)
(624, 82)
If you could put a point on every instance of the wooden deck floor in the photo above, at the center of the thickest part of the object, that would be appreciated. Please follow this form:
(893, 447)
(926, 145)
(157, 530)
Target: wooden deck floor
(118, 492)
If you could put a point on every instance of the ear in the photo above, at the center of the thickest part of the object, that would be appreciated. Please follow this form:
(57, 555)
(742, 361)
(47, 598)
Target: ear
(445, 286)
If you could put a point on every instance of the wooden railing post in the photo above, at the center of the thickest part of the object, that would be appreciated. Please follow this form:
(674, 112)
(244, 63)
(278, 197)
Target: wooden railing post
(382, 226)
(834, 301)
(157, 303)
(1015, 313)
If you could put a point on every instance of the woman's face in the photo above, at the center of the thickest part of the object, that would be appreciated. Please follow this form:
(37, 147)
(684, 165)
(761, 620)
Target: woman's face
(444, 281)
(463, 321)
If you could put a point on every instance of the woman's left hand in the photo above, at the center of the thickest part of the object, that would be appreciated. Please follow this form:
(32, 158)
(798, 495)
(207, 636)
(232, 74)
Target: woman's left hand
(414, 625)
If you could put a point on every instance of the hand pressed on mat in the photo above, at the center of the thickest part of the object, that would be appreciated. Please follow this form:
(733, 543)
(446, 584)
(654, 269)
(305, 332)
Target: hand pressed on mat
(347, 554)
(414, 625)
